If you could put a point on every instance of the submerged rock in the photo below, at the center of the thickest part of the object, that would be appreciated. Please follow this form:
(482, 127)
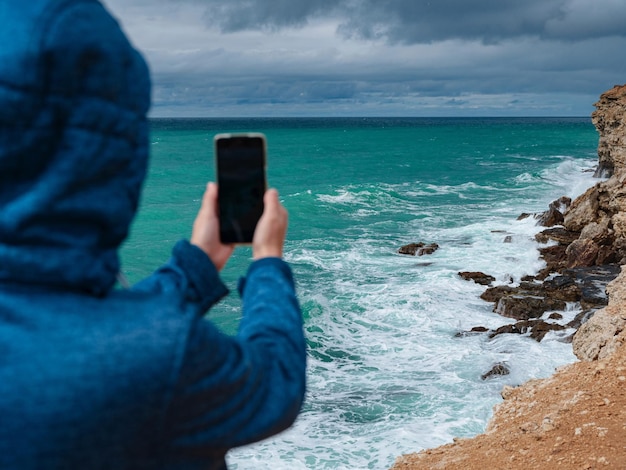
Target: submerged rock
(474, 331)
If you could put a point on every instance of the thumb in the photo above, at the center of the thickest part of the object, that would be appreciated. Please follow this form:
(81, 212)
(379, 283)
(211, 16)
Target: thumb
(270, 199)
(209, 201)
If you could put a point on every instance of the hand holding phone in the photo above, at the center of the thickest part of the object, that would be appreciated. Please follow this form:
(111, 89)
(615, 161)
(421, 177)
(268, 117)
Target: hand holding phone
(240, 166)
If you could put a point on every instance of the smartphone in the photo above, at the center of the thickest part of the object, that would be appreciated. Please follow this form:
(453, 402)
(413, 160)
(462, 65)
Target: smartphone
(240, 161)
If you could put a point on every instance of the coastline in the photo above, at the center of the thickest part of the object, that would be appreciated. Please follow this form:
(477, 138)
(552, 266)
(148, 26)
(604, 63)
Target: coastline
(577, 417)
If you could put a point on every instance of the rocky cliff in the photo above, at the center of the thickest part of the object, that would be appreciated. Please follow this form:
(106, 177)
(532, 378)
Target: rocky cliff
(577, 417)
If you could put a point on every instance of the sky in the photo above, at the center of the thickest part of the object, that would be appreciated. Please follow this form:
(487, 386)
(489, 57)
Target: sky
(254, 58)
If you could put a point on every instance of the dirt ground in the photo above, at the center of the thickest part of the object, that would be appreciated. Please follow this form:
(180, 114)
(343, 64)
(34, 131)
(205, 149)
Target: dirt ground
(575, 419)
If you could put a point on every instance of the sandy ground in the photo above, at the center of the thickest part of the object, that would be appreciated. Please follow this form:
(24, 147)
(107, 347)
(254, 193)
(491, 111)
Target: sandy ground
(575, 419)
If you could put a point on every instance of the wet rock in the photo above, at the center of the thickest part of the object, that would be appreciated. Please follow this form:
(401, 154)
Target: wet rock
(478, 277)
(557, 234)
(498, 369)
(493, 294)
(563, 288)
(474, 331)
(593, 282)
(540, 328)
(553, 216)
(524, 307)
(602, 334)
(537, 329)
(555, 258)
(418, 249)
(581, 318)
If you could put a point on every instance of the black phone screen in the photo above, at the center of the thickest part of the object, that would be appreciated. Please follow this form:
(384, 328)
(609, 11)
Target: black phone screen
(241, 185)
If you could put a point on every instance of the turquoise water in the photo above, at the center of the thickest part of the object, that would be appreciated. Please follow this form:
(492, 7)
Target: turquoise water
(386, 373)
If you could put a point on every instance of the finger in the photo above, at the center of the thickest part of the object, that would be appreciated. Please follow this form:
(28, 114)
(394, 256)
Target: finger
(209, 200)
(270, 199)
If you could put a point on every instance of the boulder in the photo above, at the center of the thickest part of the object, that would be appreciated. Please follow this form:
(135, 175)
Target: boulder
(478, 277)
(583, 210)
(582, 252)
(418, 249)
(599, 232)
(551, 217)
(498, 369)
(557, 234)
(524, 307)
(493, 294)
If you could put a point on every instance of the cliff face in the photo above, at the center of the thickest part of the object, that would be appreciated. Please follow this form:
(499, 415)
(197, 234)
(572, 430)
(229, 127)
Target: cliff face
(601, 335)
(577, 417)
(610, 120)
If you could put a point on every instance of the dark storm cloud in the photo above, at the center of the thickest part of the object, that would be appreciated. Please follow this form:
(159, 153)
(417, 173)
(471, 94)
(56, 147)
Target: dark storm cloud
(378, 57)
(419, 21)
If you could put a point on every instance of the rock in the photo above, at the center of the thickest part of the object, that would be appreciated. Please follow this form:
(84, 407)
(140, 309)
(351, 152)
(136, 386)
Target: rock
(609, 118)
(552, 216)
(540, 328)
(498, 369)
(608, 255)
(418, 249)
(555, 257)
(478, 277)
(583, 210)
(474, 331)
(581, 318)
(519, 328)
(493, 294)
(537, 328)
(599, 231)
(563, 288)
(524, 307)
(557, 234)
(593, 283)
(600, 335)
(582, 252)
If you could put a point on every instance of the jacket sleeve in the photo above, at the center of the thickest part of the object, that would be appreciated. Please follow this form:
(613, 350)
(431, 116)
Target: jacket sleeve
(189, 276)
(237, 390)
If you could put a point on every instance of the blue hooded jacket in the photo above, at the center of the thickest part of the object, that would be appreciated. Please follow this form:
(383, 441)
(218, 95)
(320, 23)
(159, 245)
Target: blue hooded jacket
(90, 376)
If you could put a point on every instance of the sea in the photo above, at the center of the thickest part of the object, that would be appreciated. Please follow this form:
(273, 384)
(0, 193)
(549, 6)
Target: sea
(388, 373)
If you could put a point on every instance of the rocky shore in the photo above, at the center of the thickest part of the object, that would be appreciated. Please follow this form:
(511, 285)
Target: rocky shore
(577, 417)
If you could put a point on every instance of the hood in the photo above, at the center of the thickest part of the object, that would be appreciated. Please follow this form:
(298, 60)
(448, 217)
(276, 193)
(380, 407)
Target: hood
(74, 95)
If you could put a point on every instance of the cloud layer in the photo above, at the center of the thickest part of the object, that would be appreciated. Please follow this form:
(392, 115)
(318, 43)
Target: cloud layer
(378, 57)
(418, 21)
